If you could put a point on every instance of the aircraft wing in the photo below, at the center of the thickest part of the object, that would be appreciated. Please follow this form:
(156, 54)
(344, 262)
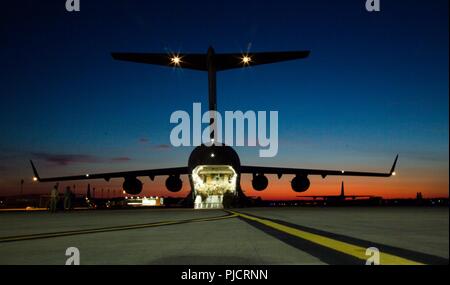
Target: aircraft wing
(136, 173)
(335, 196)
(322, 172)
(199, 61)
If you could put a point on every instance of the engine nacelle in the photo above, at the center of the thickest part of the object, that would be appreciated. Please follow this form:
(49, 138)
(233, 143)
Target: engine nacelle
(260, 182)
(300, 183)
(132, 186)
(174, 183)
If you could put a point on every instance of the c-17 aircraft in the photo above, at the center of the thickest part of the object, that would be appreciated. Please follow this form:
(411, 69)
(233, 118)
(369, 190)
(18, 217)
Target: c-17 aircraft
(214, 171)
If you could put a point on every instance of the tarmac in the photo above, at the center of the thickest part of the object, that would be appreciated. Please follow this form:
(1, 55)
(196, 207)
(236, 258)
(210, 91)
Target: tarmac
(248, 236)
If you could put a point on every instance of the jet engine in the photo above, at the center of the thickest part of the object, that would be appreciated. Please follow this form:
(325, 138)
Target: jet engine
(132, 186)
(174, 183)
(260, 182)
(300, 183)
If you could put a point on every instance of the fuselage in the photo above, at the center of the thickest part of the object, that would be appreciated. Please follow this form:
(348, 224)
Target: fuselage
(214, 171)
(214, 176)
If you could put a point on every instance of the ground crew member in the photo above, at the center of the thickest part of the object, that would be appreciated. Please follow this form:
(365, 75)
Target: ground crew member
(54, 196)
(67, 199)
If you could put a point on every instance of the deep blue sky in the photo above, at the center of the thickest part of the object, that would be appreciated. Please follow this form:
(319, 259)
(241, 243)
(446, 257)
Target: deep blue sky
(376, 84)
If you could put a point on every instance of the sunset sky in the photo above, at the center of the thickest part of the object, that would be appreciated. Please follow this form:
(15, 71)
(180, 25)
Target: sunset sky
(376, 84)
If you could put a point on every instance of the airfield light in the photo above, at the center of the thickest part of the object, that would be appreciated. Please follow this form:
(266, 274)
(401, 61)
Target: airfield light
(342, 171)
(35, 178)
(87, 175)
(212, 154)
(393, 173)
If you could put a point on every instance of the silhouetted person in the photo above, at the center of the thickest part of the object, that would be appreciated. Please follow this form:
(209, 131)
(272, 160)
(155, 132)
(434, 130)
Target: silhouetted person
(67, 199)
(54, 197)
(88, 192)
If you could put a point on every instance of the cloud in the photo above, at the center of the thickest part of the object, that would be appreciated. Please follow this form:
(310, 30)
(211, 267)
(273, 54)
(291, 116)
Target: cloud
(4, 156)
(432, 156)
(162, 146)
(65, 159)
(121, 158)
(146, 141)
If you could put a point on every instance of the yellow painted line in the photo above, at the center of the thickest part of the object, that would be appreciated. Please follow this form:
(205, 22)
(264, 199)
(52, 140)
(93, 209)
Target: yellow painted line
(346, 248)
(23, 209)
(110, 229)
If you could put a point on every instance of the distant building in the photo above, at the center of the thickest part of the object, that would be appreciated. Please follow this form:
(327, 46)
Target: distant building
(144, 201)
(419, 196)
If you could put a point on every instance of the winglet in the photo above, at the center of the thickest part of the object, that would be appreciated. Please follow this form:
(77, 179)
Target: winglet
(392, 172)
(36, 175)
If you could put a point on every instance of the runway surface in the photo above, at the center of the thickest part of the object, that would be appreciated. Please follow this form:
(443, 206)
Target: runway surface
(251, 236)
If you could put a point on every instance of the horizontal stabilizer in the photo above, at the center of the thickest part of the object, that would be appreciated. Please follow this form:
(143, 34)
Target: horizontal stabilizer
(236, 60)
(191, 61)
(220, 62)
